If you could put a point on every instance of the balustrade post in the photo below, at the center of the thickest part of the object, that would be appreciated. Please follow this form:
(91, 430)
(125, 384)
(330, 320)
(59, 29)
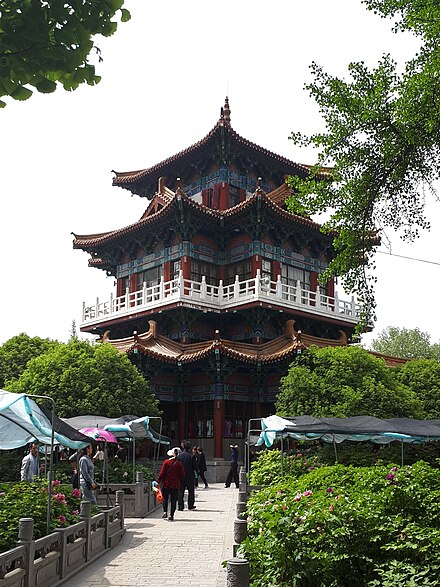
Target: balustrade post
(203, 288)
(236, 287)
(353, 306)
(112, 302)
(127, 297)
(120, 503)
(96, 307)
(279, 288)
(144, 293)
(298, 295)
(237, 573)
(317, 297)
(257, 283)
(180, 284)
(26, 539)
(221, 291)
(85, 511)
(162, 288)
(84, 312)
(337, 311)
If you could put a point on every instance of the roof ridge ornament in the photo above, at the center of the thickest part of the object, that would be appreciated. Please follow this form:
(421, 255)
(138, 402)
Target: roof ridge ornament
(225, 112)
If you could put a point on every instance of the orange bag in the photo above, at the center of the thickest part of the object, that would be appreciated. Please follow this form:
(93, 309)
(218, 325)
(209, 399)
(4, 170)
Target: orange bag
(159, 496)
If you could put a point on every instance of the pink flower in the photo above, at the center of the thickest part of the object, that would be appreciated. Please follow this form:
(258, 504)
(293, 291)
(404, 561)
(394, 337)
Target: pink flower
(299, 455)
(76, 493)
(60, 497)
(55, 483)
(390, 477)
(297, 497)
(331, 507)
(329, 490)
(338, 497)
(62, 519)
(284, 507)
(75, 512)
(307, 493)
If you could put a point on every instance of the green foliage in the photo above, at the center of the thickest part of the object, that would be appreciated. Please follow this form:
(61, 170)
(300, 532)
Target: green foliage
(29, 500)
(341, 526)
(43, 44)
(406, 343)
(423, 378)
(10, 465)
(343, 382)
(123, 472)
(17, 351)
(84, 378)
(382, 143)
(268, 468)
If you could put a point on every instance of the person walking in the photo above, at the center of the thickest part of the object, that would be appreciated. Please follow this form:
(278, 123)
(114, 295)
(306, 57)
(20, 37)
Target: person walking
(233, 471)
(195, 461)
(170, 476)
(29, 464)
(202, 466)
(185, 457)
(87, 475)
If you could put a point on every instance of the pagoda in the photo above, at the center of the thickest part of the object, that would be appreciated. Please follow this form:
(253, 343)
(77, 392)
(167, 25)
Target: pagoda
(217, 285)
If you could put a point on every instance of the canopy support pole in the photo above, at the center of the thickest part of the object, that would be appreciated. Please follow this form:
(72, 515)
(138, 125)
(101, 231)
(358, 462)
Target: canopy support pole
(401, 451)
(282, 456)
(335, 448)
(247, 463)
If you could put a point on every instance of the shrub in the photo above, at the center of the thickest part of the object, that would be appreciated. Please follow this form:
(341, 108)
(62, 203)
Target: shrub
(342, 526)
(29, 500)
(268, 469)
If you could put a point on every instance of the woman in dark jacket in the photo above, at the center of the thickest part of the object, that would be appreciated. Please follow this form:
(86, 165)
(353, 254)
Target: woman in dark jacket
(202, 465)
(170, 476)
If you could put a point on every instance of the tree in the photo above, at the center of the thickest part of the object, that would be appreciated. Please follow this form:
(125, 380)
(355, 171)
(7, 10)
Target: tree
(382, 141)
(343, 382)
(423, 378)
(17, 352)
(84, 378)
(406, 343)
(50, 42)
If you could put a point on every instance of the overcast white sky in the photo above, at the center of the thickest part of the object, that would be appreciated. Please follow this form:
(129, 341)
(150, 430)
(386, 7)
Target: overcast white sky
(164, 78)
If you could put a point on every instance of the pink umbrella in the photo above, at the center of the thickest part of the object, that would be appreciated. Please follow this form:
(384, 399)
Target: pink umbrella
(99, 434)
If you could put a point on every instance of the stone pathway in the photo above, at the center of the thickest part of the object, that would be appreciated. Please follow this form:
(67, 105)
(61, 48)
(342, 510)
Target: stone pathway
(157, 553)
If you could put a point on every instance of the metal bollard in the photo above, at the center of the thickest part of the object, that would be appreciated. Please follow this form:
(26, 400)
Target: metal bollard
(240, 531)
(237, 573)
(241, 509)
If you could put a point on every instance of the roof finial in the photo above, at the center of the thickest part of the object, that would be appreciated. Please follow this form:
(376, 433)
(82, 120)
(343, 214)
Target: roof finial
(226, 111)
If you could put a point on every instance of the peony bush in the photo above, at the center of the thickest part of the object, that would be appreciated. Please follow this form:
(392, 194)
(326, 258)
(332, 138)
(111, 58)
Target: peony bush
(340, 526)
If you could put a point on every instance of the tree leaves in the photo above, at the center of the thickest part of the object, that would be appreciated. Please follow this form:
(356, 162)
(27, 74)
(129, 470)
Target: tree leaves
(46, 43)
(382, 142)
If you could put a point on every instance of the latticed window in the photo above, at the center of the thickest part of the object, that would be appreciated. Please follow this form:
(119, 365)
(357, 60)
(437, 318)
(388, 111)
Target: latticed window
(149, 277)
(291, 275)
(200, 268)
(243, 269)
(175, 268)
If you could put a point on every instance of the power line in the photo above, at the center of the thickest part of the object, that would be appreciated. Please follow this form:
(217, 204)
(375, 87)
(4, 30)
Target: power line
(409, 258)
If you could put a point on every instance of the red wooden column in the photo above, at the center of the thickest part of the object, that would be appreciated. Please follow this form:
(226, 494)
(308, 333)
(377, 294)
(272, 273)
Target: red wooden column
(219, 424)
(224, 196)
(181, 421)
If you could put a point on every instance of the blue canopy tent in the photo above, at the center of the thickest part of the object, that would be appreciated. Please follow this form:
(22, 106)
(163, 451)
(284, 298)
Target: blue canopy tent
(127, 427)
(23, 421)
(357, 428)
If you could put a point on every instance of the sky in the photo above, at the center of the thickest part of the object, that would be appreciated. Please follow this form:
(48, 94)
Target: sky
(165, 75)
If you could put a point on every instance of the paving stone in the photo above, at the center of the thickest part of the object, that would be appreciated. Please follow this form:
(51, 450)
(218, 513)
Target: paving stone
(159, 553)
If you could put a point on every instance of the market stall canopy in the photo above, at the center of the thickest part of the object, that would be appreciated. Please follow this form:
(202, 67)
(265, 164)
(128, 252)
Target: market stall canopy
(358, 428)
(99, 434)
(122, 427)
(22, 421)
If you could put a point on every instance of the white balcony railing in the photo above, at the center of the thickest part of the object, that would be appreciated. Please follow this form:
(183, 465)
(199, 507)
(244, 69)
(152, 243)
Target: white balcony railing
(201, 295)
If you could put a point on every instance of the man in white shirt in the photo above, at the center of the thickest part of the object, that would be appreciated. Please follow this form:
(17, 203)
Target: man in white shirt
(29, 464)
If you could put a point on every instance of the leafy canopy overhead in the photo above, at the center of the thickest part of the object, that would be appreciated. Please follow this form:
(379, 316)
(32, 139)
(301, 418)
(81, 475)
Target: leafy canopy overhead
(406, 343)
(43, 42)
(382, 142)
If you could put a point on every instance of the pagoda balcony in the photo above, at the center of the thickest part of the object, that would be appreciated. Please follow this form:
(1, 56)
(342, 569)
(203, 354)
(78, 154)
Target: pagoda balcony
(220, 298)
